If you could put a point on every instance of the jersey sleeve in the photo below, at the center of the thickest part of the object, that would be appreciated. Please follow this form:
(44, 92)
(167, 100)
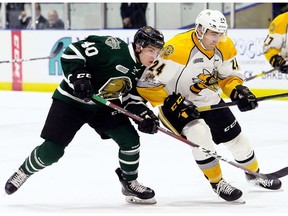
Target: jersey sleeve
(230, 74)
(276, 36)
(72, 59)
(85, 53)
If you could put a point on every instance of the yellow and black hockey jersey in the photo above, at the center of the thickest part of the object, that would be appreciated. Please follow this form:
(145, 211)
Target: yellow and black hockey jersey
(276, 41)
(186, 67)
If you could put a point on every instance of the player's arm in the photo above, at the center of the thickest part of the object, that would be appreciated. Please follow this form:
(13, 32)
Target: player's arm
(136, 104)
(272, 49)
(274, 43)
(230, 76)
(73, 64)
(230, 80)
(272, 46)
(72, 59)
(233, 87)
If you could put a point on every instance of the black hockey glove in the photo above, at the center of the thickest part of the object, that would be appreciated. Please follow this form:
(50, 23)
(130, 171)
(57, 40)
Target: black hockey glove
(150, 122)
(82, 85)
(279, 63)
(246, 99)
(180, 108)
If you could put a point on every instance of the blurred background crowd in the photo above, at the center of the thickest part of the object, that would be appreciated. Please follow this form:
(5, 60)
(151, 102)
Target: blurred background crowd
(132, 15)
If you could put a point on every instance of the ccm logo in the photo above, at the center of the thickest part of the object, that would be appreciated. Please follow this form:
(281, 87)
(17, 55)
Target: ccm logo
(16, 55)
(83, 75)
(178, 101)
(230, 126)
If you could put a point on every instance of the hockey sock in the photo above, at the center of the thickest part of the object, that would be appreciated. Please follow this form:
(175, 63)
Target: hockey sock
(211, 169)
(127, 139)
(42, 156)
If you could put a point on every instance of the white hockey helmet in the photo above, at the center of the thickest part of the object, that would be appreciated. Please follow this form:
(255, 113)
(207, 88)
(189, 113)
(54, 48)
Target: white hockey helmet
(211, 19)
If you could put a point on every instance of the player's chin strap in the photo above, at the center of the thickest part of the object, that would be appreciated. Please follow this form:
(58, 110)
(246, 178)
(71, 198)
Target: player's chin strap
(233, 103)
(277, 174)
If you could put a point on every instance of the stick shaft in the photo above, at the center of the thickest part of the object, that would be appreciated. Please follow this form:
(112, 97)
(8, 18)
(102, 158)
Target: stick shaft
(260, 74)
(233, 103)
(23, 60)
(52, 55)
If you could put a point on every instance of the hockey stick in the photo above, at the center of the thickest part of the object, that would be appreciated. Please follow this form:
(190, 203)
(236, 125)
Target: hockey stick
(52, 55)
(233, 103)
(206, 151)
(260, 74)
(278, 174)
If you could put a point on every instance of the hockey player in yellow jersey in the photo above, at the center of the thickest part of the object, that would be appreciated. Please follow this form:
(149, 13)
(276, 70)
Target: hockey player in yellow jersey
(276, 43)
(191, 71)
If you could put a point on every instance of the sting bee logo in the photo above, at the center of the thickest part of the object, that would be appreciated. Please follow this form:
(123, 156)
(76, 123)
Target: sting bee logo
(205, 80)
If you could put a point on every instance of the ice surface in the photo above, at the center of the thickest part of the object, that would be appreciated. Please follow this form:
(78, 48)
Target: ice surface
(83, 182)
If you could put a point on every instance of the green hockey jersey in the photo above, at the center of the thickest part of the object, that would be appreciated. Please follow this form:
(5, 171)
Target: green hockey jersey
(113, 67)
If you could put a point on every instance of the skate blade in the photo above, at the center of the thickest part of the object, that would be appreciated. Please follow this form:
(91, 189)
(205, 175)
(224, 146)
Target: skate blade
(136, 200)
(238, 201)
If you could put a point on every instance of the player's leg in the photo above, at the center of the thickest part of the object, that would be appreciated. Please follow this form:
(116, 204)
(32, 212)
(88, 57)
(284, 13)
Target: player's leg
(119, 128)
(129, 154)
(244, 155)
(226, 129)
(60, 127)
(197, 132)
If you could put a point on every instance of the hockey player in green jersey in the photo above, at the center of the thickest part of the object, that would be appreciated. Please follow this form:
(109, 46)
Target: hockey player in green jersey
(109, 67)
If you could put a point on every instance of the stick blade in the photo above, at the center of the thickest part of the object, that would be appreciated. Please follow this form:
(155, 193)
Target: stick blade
(57, 50)
(278, 174)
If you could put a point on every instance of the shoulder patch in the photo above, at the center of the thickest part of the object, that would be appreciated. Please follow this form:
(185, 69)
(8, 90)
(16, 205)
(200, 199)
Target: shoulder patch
(272, 27)
(113, 42)
(167, 50)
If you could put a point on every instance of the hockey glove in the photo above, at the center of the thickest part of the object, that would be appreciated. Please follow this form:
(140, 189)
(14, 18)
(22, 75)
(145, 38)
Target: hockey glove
(150, 122)
(177, 106)
(245, 98)
(83, 88)
(279, 63)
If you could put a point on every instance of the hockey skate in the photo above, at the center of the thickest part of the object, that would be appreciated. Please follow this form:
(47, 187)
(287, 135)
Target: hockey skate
(134, 192)
(15, 181)
(227, 192)
(271, 184)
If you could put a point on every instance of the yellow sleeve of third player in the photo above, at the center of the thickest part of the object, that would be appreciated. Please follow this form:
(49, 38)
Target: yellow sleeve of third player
(276, 37)
(155, 95)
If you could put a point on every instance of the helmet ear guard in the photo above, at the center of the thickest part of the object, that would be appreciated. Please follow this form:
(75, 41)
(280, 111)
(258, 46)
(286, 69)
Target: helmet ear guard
(149, 36)
(210, 19)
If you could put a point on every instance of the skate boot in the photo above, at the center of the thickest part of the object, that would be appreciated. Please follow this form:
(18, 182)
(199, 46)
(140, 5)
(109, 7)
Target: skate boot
(226, 191)
(15, 181)
(135, 192)
(272, 184)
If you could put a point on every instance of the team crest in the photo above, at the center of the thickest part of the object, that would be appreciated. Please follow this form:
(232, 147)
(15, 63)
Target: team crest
(205, 80)
(113, 43)
(167, 50)
(115, 87)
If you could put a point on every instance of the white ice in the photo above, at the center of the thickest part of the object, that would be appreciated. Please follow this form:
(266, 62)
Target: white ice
(83, 182)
